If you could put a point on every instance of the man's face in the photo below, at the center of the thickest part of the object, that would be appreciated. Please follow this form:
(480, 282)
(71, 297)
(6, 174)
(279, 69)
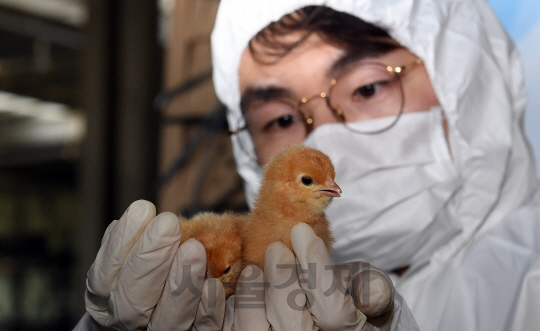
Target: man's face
(306, 71)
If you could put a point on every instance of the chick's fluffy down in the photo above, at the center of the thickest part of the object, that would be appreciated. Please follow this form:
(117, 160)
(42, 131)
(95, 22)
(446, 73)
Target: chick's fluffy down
(220, 236)
(297, 186)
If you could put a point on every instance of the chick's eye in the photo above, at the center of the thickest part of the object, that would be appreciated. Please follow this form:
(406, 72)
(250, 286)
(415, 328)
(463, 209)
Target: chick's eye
(226, 271)
(307, 180)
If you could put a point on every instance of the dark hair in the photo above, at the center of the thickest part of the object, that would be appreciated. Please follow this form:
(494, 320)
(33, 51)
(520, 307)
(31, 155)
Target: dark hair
(343, 30)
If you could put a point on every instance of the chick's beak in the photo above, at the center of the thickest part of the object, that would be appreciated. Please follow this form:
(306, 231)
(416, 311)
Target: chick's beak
(330, 189)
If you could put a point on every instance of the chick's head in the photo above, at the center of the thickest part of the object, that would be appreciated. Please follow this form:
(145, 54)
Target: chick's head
(220, 236)
(302, 176)
(224, 260)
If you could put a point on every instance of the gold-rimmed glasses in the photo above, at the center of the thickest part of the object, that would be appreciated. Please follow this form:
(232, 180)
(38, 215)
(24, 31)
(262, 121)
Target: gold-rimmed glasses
(368, 98)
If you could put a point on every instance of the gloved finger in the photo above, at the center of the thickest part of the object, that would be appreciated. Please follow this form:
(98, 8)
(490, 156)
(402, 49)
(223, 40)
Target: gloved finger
(249, 308)
(177, 306)
(331, 307)
(118, 241)
(229, 314)
(111, 226)
(285, 300)
(211, 310)
(142, 278)
(372, 290)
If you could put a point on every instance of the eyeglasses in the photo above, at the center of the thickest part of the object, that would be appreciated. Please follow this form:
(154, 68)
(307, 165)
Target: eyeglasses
(368, 98)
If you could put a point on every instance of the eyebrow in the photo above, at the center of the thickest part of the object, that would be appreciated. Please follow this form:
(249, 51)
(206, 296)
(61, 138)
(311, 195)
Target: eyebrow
(344, 62)
(253, 95)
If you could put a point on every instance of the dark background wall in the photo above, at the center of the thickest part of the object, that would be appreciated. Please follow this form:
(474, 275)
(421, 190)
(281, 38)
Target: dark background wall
(58, 195)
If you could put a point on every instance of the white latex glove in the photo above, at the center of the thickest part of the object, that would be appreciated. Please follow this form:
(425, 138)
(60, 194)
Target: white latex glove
(142, 279)
(276, 299)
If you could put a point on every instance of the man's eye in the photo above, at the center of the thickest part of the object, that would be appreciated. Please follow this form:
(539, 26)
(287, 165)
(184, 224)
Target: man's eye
(282, 122)
(368, 91)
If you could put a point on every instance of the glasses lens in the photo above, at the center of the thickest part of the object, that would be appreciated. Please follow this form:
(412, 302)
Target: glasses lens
(369, 96)
(272, 123)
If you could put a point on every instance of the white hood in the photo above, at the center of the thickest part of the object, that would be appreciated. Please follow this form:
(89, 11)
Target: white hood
(476, 74)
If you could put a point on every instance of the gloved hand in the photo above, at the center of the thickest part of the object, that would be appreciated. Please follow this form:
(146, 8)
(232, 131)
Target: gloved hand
(338, 297)
(142, 279)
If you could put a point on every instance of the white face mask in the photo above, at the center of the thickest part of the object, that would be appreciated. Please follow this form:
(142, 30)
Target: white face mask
(396, 207)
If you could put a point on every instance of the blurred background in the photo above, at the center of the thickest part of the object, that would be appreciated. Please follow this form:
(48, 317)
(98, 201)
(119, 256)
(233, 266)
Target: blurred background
(101, 103)
(105, 102)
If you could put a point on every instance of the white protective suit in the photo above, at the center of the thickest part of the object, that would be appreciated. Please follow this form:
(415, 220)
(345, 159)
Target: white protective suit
(487, 276)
